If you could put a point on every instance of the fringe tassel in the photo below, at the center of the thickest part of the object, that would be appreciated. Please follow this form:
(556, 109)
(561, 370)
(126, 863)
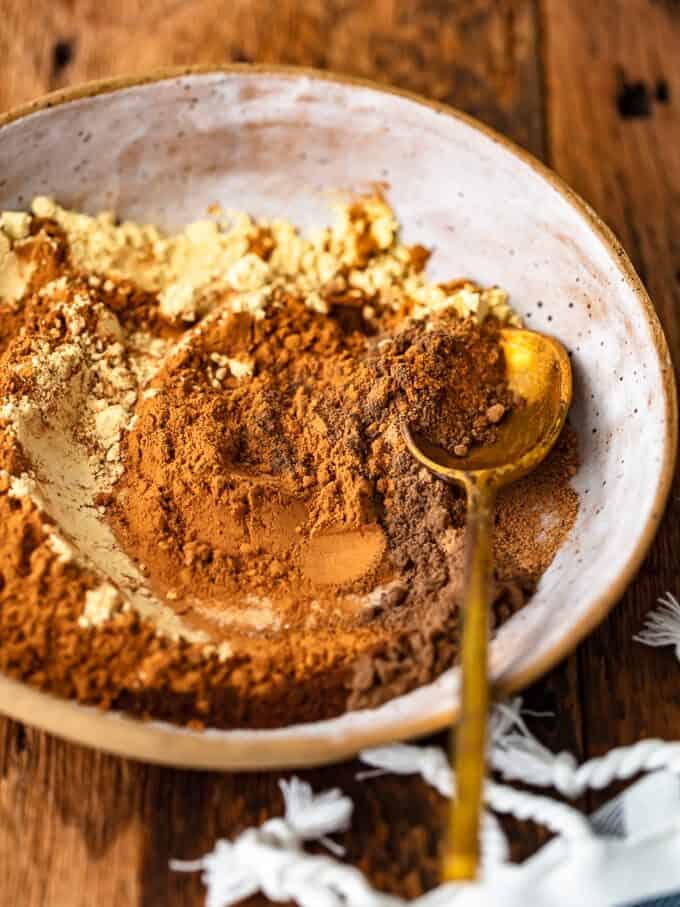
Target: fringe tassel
(270, 859)
(662, 626)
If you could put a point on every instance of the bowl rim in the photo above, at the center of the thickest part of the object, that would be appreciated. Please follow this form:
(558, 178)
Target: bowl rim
(66, 717)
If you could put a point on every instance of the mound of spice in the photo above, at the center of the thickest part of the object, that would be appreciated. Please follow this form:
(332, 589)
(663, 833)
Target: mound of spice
(208, 511)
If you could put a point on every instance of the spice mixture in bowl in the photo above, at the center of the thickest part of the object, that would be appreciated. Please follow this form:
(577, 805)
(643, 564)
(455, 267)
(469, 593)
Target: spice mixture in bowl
(208, 513)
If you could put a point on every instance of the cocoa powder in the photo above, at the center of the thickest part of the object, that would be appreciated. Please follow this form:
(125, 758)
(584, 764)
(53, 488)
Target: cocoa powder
(253, 474)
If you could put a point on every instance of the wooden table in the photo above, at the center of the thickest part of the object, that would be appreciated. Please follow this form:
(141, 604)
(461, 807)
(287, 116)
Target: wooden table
(590, 86)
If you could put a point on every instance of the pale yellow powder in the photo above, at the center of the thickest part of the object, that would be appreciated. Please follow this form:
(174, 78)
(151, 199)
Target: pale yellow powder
(100, 605)
(192, 269)
(14, 273)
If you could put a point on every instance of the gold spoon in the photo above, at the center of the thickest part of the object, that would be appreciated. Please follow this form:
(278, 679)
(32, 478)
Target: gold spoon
(538, 370)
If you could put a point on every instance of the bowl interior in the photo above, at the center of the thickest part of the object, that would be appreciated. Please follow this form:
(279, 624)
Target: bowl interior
(279, 143)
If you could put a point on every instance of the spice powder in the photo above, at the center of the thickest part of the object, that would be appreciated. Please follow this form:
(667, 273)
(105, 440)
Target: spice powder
(207, 511)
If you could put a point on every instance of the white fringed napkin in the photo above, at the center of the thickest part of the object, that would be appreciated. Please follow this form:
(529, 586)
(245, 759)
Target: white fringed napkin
(626, 855)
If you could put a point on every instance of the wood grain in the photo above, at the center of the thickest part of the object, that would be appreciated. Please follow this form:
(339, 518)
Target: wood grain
(77, 827)
(599, 59)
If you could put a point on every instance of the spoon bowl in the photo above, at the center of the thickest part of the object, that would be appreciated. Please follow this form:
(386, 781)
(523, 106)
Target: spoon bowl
(538, 371)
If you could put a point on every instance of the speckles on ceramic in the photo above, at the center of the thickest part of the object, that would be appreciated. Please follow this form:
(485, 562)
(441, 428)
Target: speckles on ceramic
(280, 142)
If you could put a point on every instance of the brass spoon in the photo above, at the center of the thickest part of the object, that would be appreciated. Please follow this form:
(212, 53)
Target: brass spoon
(538, 370)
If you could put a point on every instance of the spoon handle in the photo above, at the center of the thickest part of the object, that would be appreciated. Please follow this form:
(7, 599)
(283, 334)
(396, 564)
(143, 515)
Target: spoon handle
(468, 740)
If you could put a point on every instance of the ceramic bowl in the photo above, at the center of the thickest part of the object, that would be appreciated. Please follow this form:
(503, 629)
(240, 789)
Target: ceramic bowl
(275, 141)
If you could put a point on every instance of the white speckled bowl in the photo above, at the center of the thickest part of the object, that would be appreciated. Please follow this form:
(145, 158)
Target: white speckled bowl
(275, 141)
